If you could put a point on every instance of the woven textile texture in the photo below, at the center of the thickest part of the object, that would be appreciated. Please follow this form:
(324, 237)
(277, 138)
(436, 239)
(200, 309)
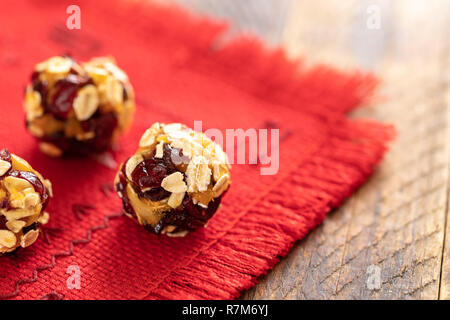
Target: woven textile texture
(182, 69)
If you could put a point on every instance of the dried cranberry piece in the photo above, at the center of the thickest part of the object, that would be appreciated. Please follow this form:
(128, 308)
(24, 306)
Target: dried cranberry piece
(156, 194)
(120, 186)
(169, 155)
(2, 220)
(4, 204)
(151, 172)
(5, 155)
(173, 156)
(192, 209)
(34, 76)
(33, 226)
(65, 92)
(190, 217)
(42, 88)
(103, 125)
(124, 93)
(213, 206)
(73, 71)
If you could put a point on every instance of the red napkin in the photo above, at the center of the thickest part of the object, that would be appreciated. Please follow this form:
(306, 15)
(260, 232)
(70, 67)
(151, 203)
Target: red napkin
(182, 70)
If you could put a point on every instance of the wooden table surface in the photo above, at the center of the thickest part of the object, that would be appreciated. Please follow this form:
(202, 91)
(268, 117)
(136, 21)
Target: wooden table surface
(390, 240)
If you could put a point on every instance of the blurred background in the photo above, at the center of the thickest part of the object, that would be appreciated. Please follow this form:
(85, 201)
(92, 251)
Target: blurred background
(344, 32)
(395, 226)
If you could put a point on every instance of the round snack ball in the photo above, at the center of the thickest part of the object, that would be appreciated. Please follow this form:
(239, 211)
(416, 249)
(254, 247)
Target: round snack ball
(78, 108)
(175, 181)
(24, 194)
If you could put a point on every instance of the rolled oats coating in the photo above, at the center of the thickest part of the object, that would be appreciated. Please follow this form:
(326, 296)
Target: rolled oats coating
(78, 108)
(175, 181)
(24, 195)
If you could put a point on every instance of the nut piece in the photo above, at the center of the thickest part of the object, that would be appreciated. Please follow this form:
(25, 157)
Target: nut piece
(168, 229)
(146, 213)
(7, 238)
(48, 186)
(50, 149)
(159, 150)
(114, 91)
(36, 130)
(20, 164)
(14, 185)
(59, 65)
(174, 183)
(86, 102)
(17, 203)
(15, 225)
(198, 174)
(132, 164)
(180, 234)
(18, 214)
(148, 138)
(221, 185)
(116, 71)
(32, 104)
(4, 167)
(29, 238)
(44, 218)
(31, 200)
(55, 65)
(173, 127)
(176, 199)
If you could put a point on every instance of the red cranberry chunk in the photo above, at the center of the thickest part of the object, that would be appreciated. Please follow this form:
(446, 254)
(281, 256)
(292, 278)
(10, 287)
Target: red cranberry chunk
(121, 187)
(42, 88)
(151, 172)
(65, 92)
(35, 77)
(5, 155)
(2, 219)
(4, 204)
(156, 194)
(33, 226)
(189, 217)
(103, 125)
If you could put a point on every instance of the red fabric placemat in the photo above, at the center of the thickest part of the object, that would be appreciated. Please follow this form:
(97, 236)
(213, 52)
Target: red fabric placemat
(182, 71)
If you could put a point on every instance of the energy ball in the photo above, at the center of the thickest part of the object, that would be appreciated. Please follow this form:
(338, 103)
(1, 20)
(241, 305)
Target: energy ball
(175, 181)
(78, 108)
(24, 194)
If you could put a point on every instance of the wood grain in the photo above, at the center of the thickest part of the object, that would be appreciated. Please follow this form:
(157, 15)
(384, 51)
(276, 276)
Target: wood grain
(397, 222)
